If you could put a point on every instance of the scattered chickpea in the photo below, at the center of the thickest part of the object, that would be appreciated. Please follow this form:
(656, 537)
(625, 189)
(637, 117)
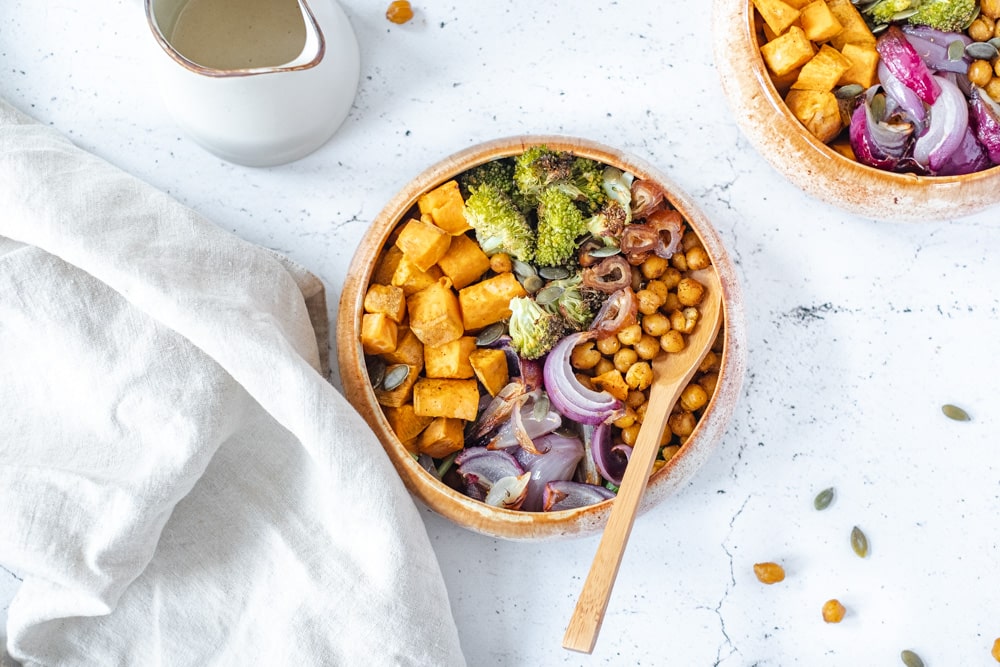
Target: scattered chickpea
(990, 8)
(980, 72)
(993, 89)
(709, 363)
(640, 410)
(630, 434)
(636, 279)
(996, 62)
(684, 320)
(682, 423)
(690, 292)
(635, 399)
(603, 366)
(659, 288)
(689, 240)
(769, 573)
(609, 345)
(630, 334)
(399, 11)
(679, 261)
(709, 381)
(584, 356)
(653, 267)
(624, 358)
(694, 397)
(649, 301)
(640, 375)
(647, 348)
(671, 303)
(666, 437)
(672, 341)
(655, 324)
(584, 380)
(996, 650)
(500, 263)
(697, 258)
(626, 419)
(833, 611)
(981, 29)
(671, 277)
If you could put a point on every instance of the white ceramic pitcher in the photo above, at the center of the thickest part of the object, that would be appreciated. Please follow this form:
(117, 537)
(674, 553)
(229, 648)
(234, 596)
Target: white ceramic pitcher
(254, 110)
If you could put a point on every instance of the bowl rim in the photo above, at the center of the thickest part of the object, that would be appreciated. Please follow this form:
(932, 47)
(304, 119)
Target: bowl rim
(512, 524)
(762, 115)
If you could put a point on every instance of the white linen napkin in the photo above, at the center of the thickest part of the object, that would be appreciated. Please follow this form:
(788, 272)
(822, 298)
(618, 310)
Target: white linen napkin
(178, 483)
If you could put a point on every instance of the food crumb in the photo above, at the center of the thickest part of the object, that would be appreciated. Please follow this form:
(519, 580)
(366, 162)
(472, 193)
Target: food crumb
(769, 573)
(399, 11)
(996, 650)
(833, 611)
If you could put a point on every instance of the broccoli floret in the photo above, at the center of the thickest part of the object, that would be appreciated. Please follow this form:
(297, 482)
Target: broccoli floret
(560, 224)
(586, 184)
(608, 223)
(578, 305)
(499, 225)
(533, 330)
(498, 173)
(539, 167)
(946, 15)
(884, 11)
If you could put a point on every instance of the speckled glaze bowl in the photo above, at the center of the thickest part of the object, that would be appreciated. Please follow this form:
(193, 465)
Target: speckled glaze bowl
(809, 163)
(473, 514)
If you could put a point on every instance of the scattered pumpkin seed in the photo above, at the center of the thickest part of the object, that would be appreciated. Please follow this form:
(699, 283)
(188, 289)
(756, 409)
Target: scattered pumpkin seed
(878, 106)
(849, 92)
(859, 542)
(956, 50)
(879, 29)
(532, 284)
(606, 251)
(823, 499)
(954, 412)
(490, 334)
(376, 371)
(911, 659)
(540, 408)
(903, 15)
(523, 269)
(548, 295)
(553, 272)
(995, 41)
(395, 375)
(979, 51)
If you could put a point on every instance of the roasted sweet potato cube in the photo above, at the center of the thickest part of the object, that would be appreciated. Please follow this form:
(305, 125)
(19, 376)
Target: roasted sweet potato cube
(797, 4)
(854, 30)
(446, 207)
(490, 366)
(409, 350)
(402, 394)
(611, 382)
(465, 262)
(450, 360)
(785, 53)
(411, 278)
(770, 34)
(818, 22)
(822, 71)
(817, 110)
(434, 313)
(444, 436)
(864, 65)
(784, 83)
(406, 423)
(844, 148)
(488, 301)
(386, 266)
(386, 299)
(442, 397)
(378, 333)
(423, 243)
(777, 15)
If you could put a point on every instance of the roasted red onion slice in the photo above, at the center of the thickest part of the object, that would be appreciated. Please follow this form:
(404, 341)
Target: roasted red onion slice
(934, 51)
(877, 144)
(609, 275)
(524, 426)
(508, 492)
(969, 157)
(986, 121)
(618, 312)
(570, 495)
(561, 455)
(647, 197)
(568, 396)
(669, 224)
(906, 65)
(949, 118)
(587, 470)
(496, 414)
(904, 97)
(484, 466)
(611, 460)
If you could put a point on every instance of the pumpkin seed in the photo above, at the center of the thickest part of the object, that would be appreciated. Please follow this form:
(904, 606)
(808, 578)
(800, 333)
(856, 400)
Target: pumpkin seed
(523, 269)
(956, 50)
(548, 295)
(395, 375)
(995, 41)
(879, 29)
(980, 51)
(540, 408)
(553, 272)
(606, 251)
(911, 659)
(859, 542)
(850, 91)
(823, 499)
(878, 106)
(954, 412)
(532, 284)
(490, 334)
(903, 15)
(376, 371)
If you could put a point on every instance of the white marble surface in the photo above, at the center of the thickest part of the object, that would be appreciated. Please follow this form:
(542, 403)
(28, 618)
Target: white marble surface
(859, 330)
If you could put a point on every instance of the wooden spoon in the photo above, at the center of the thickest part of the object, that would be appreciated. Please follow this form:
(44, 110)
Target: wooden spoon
(671, 374)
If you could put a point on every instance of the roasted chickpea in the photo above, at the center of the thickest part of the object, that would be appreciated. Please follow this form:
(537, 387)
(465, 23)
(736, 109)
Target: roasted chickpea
(666, 437)
(682, 423)
(500, 263)
(697, 258)
(658, 287)
(672, 303)
(648, 347)
(996, 650)
(709, 363)
(399, 11)
(649, 301)
(993, 89)
(626, 419)
(690, 292)
(630, 334)
(679, 261)
(655, 324)
(603, 366)
(769, 573)
(678, 322)
(709, 381)
(694, 397)
(980, 72)
(584, 380)
(689, 240)
(690, 316)
(609, 345)
(996, 61)
(653, 267)
(671, 277)
(630, 434)
(640, 375)
(981, 29)
(636, 279)
(640, 411)
(624, 358)
(585, 356)
(990, 8)
(833, 611)
(635, 399)
(670, 451)
(672, 341)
